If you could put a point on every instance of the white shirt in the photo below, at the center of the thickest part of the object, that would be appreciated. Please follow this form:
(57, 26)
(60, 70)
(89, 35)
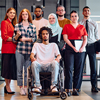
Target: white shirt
(39, 23)
(45, 53)
(92, 30)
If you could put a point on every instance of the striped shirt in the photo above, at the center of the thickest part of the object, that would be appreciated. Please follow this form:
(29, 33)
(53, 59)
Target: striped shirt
(25, 47)
(92, 30)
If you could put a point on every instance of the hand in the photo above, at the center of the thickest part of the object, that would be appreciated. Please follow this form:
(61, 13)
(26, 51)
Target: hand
(23, 39)
(57, 60)
(81, 50)
(33, 59)
(17, 35)
(97, 52)
(75, 49)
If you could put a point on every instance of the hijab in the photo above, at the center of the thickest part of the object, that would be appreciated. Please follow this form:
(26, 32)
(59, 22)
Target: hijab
(56, 29)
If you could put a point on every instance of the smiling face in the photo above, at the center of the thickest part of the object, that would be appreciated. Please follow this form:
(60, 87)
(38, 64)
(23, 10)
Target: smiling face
(11, 14)
(86, 12)
(24, 15)
(74, 17)
(52, 19)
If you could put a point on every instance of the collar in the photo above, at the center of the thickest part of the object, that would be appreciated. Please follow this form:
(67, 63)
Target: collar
(86, 19)
(30, 24)
(8, 20)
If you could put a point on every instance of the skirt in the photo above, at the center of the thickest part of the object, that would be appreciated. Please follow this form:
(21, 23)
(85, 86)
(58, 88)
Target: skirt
(8, 66)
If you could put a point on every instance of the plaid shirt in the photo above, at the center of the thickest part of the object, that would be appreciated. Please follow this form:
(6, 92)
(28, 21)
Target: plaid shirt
(25, 47)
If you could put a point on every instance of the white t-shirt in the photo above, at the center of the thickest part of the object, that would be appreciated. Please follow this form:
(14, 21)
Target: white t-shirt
(39, 23)
(45, 53)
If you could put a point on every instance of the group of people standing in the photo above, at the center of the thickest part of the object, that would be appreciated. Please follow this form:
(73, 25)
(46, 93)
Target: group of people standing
(19, 38)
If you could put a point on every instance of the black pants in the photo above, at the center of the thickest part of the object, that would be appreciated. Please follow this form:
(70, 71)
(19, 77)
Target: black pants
(73, 66)
(97, 46)
(91, 52)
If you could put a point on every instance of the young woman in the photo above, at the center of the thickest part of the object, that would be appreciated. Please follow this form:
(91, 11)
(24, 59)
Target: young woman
(8, 69)
(27, 33)
(56, 29)
(73, 56)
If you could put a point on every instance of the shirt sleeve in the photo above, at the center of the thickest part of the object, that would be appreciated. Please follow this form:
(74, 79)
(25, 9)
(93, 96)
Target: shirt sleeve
(15, 29)
(64, 30)
(56, 50)
(96, 32)
(4, 32)
(34, 37)
(34, 49)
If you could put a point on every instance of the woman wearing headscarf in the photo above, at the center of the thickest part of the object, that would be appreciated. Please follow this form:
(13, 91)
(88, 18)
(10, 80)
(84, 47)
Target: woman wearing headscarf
(56, 29)
(57, 36)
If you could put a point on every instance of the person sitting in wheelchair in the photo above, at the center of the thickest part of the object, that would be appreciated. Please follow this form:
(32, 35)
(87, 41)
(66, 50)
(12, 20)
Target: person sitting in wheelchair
(45, 56)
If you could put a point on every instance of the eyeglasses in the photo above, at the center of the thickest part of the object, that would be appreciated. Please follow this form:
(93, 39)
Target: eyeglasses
(60, 10)
(51, 18)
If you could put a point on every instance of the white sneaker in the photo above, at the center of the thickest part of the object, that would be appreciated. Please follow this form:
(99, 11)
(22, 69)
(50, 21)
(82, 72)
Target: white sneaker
(22, 92)
(54, 88)
(25, 89)
(37, 89)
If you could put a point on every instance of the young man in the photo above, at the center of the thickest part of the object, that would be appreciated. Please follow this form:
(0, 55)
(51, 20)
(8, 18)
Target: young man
(45, 60)
(92, 30)
(39, 21)
(60, 12)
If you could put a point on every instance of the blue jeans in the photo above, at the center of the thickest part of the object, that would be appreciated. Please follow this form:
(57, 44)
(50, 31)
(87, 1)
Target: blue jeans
(52, 67)
(22, 60)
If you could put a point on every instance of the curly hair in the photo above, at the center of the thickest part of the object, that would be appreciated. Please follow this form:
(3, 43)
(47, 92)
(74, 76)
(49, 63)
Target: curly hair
(47, 29)
(29, 16)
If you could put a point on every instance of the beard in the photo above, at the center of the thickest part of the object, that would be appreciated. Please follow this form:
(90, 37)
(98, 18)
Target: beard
(45, 40)
(38, 16)
(60, 15)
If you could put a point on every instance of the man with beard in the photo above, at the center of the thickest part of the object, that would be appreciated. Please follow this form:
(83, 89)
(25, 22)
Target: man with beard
(60, 12)
(39, 20)
(92, 30)
(47, 59)
(62, 21)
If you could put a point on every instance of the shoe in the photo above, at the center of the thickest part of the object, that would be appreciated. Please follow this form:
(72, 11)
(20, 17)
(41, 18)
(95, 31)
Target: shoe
(75, 93)
(78, 90)
(5, 91)
(94, 89)
(53, 88)
(68, 93)
(37, 89)
(22, 91)
(25, 89)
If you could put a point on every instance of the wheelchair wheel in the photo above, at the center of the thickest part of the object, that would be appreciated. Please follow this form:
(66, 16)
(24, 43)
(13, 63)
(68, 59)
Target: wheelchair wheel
(63, 95)
(30, 96)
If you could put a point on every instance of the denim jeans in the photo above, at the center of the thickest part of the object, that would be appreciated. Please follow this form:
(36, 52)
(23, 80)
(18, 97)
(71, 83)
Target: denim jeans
(23, 60)
(52, 67)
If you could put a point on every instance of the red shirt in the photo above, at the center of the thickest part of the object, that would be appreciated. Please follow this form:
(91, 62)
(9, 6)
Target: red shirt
(7, 31)
(74, 33)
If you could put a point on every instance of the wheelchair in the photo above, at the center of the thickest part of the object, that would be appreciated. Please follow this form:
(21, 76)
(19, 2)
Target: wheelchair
(45, 80)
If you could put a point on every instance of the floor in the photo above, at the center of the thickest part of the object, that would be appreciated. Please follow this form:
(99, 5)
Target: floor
(85, 94)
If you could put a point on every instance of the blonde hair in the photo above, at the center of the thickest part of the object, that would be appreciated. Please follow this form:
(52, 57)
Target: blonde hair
(14, 21)
(29, 16)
